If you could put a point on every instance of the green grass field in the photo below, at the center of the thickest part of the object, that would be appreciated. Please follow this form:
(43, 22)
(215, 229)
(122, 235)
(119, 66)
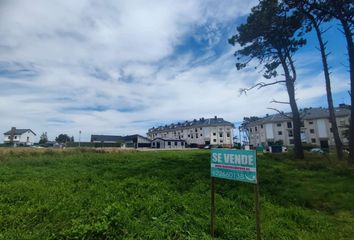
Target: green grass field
(166, 195)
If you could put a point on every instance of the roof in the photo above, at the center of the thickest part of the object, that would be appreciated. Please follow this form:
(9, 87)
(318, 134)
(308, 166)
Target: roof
(106, 138)
(306, 113)
(169, 140)
(19, 132)
(202, 122)
(113, 138)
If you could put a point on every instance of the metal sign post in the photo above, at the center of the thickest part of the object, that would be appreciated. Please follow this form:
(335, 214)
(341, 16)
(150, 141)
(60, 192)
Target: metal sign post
(239, 165)
(212, 207)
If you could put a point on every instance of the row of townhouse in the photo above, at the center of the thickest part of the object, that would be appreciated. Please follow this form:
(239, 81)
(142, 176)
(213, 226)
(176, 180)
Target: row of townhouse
(205, 131)
(315, 128)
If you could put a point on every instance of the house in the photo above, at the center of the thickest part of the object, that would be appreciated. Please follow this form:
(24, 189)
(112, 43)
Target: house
(19, 137)
(315, 128)
(210, 131)
(168, 143)
(135, 140)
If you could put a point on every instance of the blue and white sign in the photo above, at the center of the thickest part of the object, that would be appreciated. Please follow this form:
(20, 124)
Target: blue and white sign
(239, 165)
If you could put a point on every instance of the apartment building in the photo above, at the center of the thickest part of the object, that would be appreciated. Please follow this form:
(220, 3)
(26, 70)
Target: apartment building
(210, 131)
(315, 128)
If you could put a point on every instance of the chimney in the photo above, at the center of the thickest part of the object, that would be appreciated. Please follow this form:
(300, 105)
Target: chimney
(215, 117)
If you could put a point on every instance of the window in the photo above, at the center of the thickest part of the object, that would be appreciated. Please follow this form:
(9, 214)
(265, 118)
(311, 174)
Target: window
(201, 135)
(290, 134)
(214, 134)
(220, 134)
(196, 130)
(278, 124)
(214, 140)
(250, 129)
(302, 124)
(228, 134)
(255, 129)
(189, 135)
(15, 137)
(196, 135)
(289, 124)
(280, 133)
(221, 141)
(312, 130)
(169, 143)
(153, 144)
(9, 137)
(313, 140)
(261, 125)
(176, 143)
(291, 141)
(200, 128)
(330, 129)
(310, 122)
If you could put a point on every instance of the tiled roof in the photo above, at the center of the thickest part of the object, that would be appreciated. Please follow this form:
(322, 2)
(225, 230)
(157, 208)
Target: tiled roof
(202, 122)
(306, 114)
(19, 131)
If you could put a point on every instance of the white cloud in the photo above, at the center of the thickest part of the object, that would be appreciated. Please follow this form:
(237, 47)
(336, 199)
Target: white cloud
(112, 67)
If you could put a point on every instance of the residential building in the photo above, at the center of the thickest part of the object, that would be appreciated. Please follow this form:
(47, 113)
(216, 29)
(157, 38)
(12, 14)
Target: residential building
(19, 137)
(315, 128)
(168, 143)
(130, 140)
(210, 131)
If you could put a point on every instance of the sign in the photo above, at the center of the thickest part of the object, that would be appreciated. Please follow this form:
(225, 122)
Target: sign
(232, 164)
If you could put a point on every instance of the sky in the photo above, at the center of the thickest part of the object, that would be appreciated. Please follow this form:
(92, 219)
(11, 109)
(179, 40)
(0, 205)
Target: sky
(122, 67)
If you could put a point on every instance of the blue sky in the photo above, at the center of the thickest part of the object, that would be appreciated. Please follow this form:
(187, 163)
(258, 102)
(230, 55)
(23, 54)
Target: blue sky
(121, 67)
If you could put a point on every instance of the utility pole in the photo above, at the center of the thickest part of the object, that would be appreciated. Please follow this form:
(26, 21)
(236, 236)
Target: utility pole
(79, 138)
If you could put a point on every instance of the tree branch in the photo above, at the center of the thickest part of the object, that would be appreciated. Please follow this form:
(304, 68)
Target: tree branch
(280, 102)
(280, 112)
(259, 86)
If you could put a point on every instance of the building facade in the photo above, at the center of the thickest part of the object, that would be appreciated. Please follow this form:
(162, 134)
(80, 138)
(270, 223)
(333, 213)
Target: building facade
(19, 137)
(211, 131)
(315, 128)
(168, 143)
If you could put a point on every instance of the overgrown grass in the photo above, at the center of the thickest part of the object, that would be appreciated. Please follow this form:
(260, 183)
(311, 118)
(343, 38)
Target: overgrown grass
(166, 195)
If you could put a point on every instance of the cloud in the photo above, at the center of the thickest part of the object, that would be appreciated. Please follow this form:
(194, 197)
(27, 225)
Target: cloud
(121, 67)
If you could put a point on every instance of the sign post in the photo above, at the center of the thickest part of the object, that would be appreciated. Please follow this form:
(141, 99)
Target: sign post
(238, 165)
(212, 211)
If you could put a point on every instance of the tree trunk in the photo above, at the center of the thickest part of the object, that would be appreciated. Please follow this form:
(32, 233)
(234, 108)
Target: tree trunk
(298, 150)
(350, 46)
(332, 117)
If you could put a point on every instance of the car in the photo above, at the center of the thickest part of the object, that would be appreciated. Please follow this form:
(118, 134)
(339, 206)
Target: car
(316, 150)
(207, 147)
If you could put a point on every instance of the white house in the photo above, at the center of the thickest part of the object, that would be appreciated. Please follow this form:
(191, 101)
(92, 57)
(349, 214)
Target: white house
(19, 137)
(210, 131)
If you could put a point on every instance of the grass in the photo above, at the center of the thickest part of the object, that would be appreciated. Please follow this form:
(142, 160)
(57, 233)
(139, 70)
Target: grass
(166, 195)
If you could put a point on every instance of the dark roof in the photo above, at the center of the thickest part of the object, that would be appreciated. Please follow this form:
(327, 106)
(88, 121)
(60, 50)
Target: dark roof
(106, 138)
(169, 140)
(19, 131)
(112, 138)
(202, 122)
(306, 114)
